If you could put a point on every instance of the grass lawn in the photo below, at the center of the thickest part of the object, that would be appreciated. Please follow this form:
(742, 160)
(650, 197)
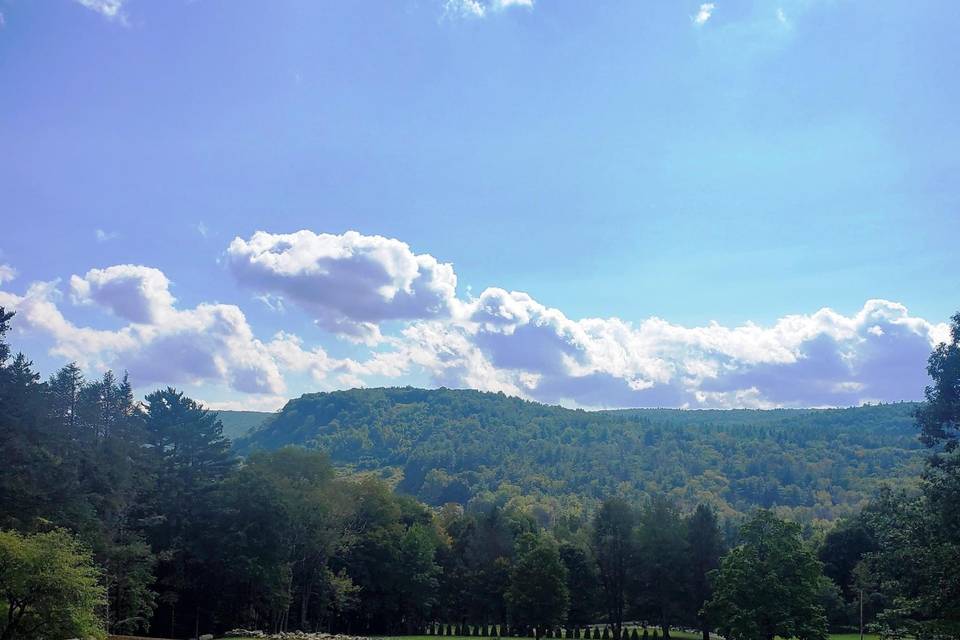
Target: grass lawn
(679, 635)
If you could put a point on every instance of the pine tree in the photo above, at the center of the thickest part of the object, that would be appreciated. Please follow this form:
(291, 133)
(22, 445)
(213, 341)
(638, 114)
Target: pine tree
(705, 548)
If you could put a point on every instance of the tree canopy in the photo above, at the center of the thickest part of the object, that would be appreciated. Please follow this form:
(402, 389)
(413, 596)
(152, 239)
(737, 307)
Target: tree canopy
(768, 585)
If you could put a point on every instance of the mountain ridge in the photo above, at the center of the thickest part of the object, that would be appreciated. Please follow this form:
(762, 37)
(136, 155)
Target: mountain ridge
(446, 445)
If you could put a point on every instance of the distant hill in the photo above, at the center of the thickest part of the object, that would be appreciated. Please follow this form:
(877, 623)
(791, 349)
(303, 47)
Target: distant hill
(458, 445)
(237, 423)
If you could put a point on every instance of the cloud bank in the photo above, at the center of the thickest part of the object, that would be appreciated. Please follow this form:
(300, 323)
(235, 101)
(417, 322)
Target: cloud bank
(404, 306)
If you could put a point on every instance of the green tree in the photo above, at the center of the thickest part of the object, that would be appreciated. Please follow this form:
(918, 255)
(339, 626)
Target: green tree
(939, 417)
(582, 583)
(49, 587)
(769, 585)
(191, 459)
(705, 546)
(614, 547)
(660, 567)
(538, 593)
(917, 549)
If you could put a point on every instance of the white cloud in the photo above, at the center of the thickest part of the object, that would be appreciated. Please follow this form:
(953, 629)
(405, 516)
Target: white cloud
(506, 4)
(498, 341)
(110, 9)
(105, 236)
(472, 9)
(7, 273)
(704, 13)
(508, 341)
(349, 283)
(161, 344)
(136, 293)
(37, 310)
(464, 9)
(781, 16)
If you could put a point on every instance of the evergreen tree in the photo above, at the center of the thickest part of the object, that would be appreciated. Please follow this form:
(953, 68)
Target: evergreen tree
(705, 546)
(614, 548)
(191, 458)
(661, 563)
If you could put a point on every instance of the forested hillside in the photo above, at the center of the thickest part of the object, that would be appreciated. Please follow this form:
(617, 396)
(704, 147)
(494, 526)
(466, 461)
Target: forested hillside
(459, 445)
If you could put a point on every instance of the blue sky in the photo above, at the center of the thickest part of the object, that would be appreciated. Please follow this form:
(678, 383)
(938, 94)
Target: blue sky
(668, 183)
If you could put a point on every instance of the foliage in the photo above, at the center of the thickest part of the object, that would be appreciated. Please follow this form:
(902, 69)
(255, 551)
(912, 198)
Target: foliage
(705, 547)
(661, 577)
(527, 503)
(49, 587)
(538, 592)
(769, 585)
(461, 445)
(615, 549)
(939, 417)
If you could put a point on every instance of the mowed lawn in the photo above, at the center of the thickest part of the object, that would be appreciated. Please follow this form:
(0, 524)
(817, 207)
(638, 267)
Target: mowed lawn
(679, 635)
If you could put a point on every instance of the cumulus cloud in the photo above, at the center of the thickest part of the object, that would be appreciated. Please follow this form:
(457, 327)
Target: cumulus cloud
(160, 344)
(349, 283)
(136, 293)
(501, 340)
(704, 13)
(37, 310)
(821, 359)
(508, 341)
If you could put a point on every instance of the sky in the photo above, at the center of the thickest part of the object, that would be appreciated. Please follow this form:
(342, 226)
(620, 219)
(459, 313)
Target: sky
(597, 204)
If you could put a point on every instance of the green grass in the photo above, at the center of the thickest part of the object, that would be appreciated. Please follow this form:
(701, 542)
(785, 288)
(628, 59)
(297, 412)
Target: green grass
(679, 635)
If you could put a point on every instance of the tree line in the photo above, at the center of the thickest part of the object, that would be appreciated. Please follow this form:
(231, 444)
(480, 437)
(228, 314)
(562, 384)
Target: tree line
(138, 517)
